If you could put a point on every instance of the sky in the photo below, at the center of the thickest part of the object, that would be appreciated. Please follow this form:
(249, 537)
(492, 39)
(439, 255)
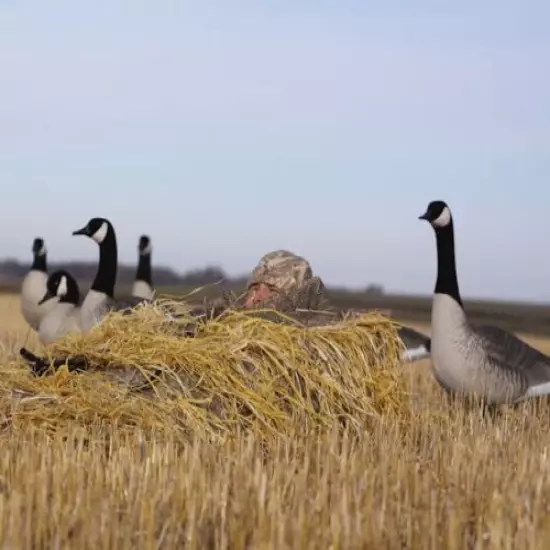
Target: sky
(226, 130)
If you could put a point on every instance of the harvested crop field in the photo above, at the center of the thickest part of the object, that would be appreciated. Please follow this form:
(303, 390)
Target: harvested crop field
(411, 471)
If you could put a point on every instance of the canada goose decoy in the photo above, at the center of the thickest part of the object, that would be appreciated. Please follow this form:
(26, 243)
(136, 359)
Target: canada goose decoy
(100, 298)
(33, 286)
(483, 361)
(417, 345)
(143, 284)
(63, 317)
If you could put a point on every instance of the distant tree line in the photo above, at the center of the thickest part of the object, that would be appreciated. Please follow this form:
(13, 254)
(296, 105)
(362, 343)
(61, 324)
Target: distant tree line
(12, 271)
(528, 318)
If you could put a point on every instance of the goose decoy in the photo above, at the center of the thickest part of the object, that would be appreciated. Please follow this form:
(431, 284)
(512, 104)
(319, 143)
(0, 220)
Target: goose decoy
(100, 298)
(483, 361)
(417, 345)
(143, 284)
(63, 317)
(33, 286)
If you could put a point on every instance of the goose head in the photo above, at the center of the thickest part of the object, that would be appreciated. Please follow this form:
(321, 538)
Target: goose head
(145, 247)
(96, 229)
(63, 286)
(438, 214)
(38, 247)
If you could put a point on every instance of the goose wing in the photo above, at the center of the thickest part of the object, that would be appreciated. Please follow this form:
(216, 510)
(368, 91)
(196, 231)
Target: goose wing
(511, 353)
(412, 338)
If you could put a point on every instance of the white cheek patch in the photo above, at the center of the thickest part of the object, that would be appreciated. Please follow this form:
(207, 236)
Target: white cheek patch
(443, 219)
(42, 251)
(101, 233)
(147, 249)
(62, 286)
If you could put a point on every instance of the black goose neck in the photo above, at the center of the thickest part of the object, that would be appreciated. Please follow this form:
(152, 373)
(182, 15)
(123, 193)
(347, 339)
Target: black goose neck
(447, 281)
(39, 263)
(105, 278)
(143, 272)
(72, 297)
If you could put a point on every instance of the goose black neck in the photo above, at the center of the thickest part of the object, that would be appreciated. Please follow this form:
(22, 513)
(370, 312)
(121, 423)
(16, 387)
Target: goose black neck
(447, 281)
(39, 263)
(72, 297)
(143, 272)
(105, 278)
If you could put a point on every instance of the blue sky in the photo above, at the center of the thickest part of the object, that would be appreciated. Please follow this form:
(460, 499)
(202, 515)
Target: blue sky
(228, 129)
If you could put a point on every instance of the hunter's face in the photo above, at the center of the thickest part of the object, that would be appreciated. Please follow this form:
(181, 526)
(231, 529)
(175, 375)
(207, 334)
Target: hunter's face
(259, 293)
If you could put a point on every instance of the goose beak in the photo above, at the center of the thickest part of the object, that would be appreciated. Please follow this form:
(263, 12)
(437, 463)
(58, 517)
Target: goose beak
(423, 217)
(83, 231)
(46, 297)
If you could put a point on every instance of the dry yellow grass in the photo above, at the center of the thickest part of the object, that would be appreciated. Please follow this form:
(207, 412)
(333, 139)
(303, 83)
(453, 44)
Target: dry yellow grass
(461, 480)
(241, 372)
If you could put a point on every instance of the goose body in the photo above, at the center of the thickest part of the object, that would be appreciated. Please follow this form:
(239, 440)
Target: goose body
(143, 284)
(33, 286)
(483, 361)
(97, 305)
(63, 316)
(99, 300)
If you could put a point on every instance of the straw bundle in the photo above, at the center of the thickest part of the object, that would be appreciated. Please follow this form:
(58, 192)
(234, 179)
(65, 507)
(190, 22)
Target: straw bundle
(240, 371)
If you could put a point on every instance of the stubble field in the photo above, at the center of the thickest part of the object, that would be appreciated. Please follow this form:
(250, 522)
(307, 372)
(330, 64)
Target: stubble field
(459, 480)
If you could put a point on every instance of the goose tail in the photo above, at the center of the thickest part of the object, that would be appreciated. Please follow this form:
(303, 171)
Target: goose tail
(417, 345)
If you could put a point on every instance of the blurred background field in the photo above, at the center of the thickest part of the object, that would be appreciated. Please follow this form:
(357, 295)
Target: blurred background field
(533, 318)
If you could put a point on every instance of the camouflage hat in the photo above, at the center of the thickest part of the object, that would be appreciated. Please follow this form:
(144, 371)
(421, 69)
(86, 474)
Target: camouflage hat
(282, 269)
